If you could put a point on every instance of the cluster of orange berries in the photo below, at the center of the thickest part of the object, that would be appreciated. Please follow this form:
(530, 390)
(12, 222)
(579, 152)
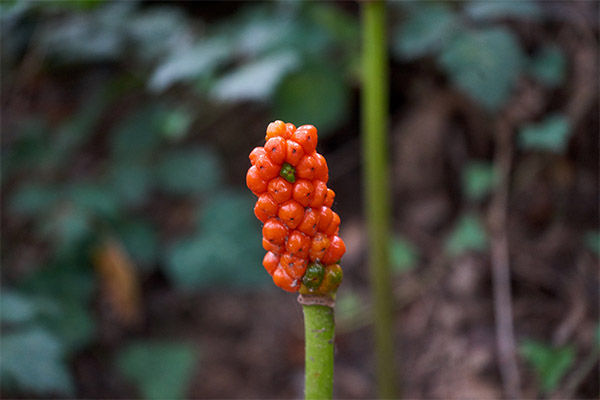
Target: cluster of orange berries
(300, 231)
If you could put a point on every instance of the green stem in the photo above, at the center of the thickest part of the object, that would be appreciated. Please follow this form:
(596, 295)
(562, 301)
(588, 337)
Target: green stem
(377, 188)
(319, 330)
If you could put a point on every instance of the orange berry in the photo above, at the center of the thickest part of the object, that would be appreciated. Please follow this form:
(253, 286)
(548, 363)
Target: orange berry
(272, 247)
(284, 281)
(255, 182)
(309, 223)
(291, 212)
(319, 246)
(303, 191)
(319, 193)
(333, 226)
(294, 153)
(306, 136)
(265, 207)
(329, 198)
(321, 169)
(336, 250)
(325, 217)
(255, 153)
(276, 149)
(267, 168)
(298, 244)
(290, 129)
(306, 167)
(275, 231)
(275, 128)
(270, 262)
(280, 189)
(292, 265)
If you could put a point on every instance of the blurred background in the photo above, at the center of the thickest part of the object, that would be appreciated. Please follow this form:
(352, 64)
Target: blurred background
(131, 258)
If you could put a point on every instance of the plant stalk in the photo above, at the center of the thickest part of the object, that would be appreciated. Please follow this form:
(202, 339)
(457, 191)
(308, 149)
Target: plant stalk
(319, 333)
(375, 140)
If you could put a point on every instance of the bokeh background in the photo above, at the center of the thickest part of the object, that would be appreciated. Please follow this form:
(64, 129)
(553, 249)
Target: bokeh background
(131, 259)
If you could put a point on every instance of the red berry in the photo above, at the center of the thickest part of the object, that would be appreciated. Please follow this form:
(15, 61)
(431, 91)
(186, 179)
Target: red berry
(325, 217)
(310, 222)
(290, 129)
(321, 169)
(255, 182)
(275, 231)
(291, 212)
(303, 191)
(298, 244)
(275, 128)
(255, 153)
(294, 266)
(280, 189)
(265, 207)
(306, 136)
(276, 149)
(329, 198)
(336, 250)
(320, 191)
(267, 168)
(319, 246)
(270, 262)
(272, 247)
(306, 167)
(284, 281)
(333, 226)
(294, 152)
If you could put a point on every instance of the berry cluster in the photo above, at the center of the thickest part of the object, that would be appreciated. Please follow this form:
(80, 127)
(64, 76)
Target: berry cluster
(300, 231)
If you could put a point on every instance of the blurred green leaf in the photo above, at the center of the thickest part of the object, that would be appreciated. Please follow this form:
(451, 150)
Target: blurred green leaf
(141, 241)
(129, 181)
(66, 226)
(550, 364)
(187, 171)
(255, 80)
(551, 134)
(403, 254)
(15, 307)
(592, 241)
(31, 199)
(93, 199)
(549, 66)
(495, 9)
(136, 136)
(478, 179)
(485, 64)
(32, 358)
(187, 64)
(70, 322)
(347, 304)
(161, 369)
(177, 123)
(316, 95)
(425, 31)
(468, 235)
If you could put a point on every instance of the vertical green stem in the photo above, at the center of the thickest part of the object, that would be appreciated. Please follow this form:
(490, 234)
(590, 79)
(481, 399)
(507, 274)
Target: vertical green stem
(377, 187)
(319, 332)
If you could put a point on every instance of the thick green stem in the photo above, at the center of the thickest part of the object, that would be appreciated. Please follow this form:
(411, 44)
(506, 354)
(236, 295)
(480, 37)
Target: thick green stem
(319, 331)
(377, 187)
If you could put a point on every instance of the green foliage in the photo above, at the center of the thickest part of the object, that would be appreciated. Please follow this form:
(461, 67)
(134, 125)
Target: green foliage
(478, 180)
(188, 171)
(550, 364)
(140, 239)
(317, 96)
(487, 10)
(549, 66)
(425, 31)
(551, 134)
(403, 254)
(160, 369)
(16, 308)
(32, 362)
(225, 251)
(468, 235)
(485, 64)
(592, 242)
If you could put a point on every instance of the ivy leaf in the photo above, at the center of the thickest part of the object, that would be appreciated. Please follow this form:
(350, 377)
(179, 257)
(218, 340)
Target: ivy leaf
(478, 179)
(468, 235)
(161, 369)
(551, 134)
(425, 31)
(32, 359)
(550, 364)
(140, 238)
(487, 10)
(485, 64)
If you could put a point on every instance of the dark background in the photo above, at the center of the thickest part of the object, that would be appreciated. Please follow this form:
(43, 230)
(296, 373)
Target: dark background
(131, 260)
